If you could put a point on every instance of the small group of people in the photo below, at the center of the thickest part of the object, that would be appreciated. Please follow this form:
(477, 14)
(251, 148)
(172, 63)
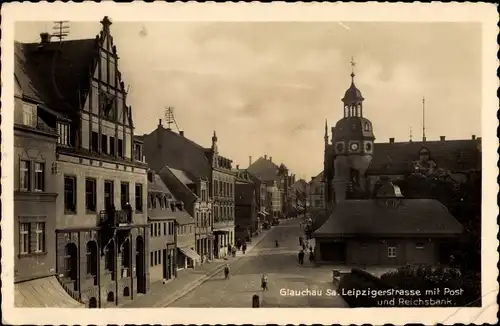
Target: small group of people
(302, 254)
(241, 245)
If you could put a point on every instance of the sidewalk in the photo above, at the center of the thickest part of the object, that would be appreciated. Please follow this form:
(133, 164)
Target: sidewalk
(161, 295)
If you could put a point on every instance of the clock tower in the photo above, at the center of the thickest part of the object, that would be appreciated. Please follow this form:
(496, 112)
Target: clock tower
(352, 141)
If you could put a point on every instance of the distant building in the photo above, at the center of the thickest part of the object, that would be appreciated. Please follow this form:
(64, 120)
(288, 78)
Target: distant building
(194, 193)
(101, 218)
(165, 147)
(273, 199)
(187, 257)
(162, 244)
(246, 213)
(301, 188)
(317, 192)
(270, 173)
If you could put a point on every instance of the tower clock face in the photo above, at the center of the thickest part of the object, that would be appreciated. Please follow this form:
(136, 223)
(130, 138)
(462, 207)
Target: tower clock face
(354, 146)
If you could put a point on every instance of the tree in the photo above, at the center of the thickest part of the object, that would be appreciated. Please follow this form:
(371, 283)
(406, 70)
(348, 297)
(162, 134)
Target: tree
(463, 200)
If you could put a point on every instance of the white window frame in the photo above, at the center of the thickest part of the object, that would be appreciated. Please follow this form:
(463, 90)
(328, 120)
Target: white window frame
(29, 115)
(40, 237)
(39, 169)
(27, 172)
(63, 132)
(391, 252)
(24, 235)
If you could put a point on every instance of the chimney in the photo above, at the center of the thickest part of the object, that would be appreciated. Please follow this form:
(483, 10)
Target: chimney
(150, 176)
(249, 160)
(159, 123)
(265, 157)
(44, 38)
(442, 138)
(391, 140)
(181, 132)
(270, 158)
(237, 167)
(473, 137)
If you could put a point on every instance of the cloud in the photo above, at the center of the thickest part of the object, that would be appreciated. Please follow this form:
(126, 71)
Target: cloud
(268, 87)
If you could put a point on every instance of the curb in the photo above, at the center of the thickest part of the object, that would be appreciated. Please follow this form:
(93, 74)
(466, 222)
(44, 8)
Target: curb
(190, 287)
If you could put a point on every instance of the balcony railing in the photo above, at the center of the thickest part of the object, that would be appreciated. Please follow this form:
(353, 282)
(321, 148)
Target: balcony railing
(115, 218)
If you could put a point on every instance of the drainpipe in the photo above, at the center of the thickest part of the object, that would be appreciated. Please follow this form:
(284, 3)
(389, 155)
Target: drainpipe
(174, 258)
(115, 271)
(99, 270)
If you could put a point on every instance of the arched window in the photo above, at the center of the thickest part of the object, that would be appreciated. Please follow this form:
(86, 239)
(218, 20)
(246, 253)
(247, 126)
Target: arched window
(110, 259)
(367, 126)
(92, 258)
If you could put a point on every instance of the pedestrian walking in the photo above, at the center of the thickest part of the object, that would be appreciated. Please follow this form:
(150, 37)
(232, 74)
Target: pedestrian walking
(226, 272)
(264, 282)
(311, 256)
(244, 248)
(234, 251)
(301, 257)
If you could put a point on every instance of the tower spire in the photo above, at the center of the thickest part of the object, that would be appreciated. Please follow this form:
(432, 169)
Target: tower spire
(411, 136)
(326, 131)
(423, 119)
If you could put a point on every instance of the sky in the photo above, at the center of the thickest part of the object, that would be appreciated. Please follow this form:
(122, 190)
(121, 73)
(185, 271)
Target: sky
(266, 88)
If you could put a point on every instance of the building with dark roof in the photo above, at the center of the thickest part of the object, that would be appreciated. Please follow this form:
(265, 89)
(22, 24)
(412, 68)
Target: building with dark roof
(172, 239)
(267, 170)
(194, 193)
(386, 230)
(101, 220)
(163, 147)
(246, 208)
(35, 195)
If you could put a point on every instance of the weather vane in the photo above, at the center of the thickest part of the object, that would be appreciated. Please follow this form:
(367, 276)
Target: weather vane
(353, 64)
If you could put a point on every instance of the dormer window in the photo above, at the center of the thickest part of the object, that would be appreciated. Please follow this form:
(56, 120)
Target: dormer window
(138, 152)
(63, 131)
(367, 126)
(29, 115)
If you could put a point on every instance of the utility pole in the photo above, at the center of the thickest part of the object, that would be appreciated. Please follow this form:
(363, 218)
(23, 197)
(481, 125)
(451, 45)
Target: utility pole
(61, 30)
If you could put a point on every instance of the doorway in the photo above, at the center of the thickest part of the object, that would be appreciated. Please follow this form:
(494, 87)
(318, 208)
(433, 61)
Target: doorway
(165, 264)
(140, 261)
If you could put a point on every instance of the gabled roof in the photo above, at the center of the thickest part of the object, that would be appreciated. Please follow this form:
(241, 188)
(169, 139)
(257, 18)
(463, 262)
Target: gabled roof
(454, 155)
(183, 176)
(165, 147)
(318, 178)
(265, 169)
(60, 72)
(158, 186)
(376, 217)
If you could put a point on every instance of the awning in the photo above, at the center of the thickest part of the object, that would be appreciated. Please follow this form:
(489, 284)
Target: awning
(188, 252)
(263, 212)
(43, 292)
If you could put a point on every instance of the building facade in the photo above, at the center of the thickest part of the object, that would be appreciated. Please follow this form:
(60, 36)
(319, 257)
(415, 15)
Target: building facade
(197, 202)
(163, 147)
(246, 213)
(35, 197)
(162, 231)
(376, 225)
(222, 186)
(317, 192)
(273, 199)
(101, 218)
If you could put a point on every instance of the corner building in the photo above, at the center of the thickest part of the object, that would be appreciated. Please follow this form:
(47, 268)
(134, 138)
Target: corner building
(101, 219)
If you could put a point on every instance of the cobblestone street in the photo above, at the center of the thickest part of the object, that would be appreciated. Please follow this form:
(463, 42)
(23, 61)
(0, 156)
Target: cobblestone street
(284, 273)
